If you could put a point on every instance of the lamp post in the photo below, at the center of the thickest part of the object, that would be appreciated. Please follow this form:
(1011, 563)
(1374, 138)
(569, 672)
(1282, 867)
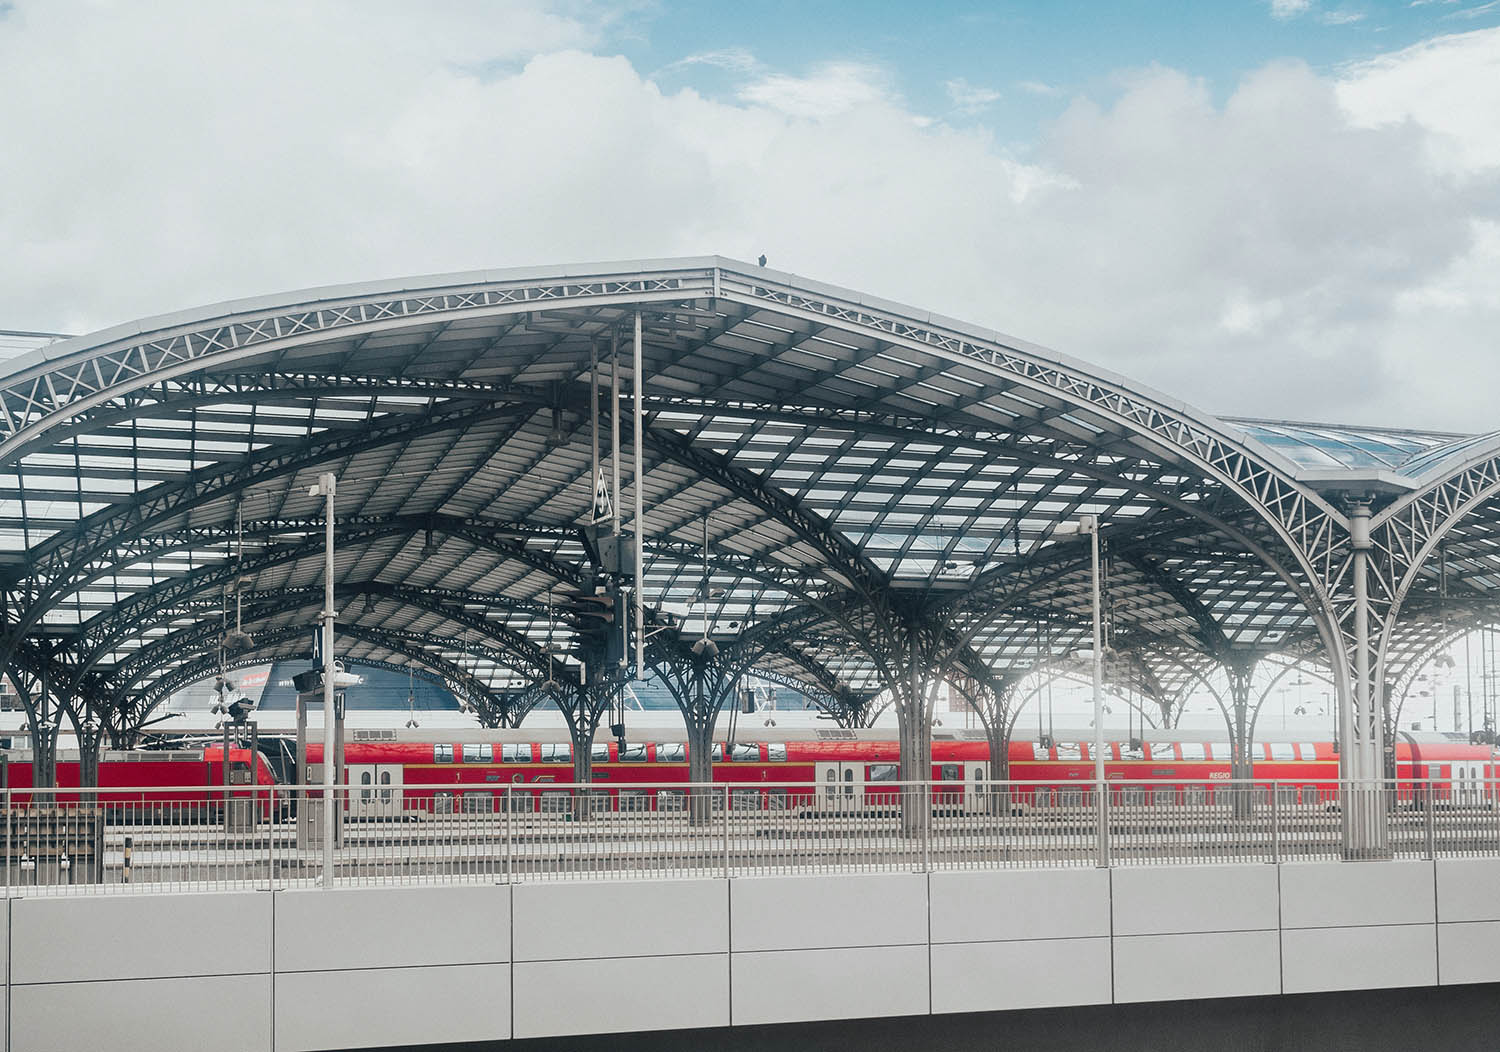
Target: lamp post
(325, 488)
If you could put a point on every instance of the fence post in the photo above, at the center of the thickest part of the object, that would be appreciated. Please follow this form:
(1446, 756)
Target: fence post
(726, 831)
(509, 833)
(927, 823)
(1431, 822)
(1276, 822)
(1101, 788)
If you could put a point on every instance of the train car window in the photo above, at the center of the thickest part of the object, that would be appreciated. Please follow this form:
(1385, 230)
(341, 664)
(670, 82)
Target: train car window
(515, 753)
(1282, 751)
(474, 753)
(1133, 794)
(599, 752)
(1163, 752)
(718, 753)
(1131, 750)
(745, 799)
(671, 800)
(1070, 798)
(776, 800)
(776, 753)
(1163, 797)
(1043, 796)
(635, 800)
(1190, 751)
(557, 754)
(1309, 794)
(555, 802)
(442, 754)
(365, 779)
(882, 772)
(745, 754)
(1040, 751)
(519, 801)
(1286, 795)
(1069, 752)
(950, 772)
(600, 800)
(478, 803)
(633, 753)
(1308, 750)
(442, 803)
(1196, 795)
(671, 752)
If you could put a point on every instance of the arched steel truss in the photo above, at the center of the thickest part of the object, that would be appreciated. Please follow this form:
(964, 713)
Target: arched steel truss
(887, 481)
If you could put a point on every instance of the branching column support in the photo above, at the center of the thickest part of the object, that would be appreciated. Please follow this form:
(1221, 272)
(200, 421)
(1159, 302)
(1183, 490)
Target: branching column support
(1241, 759)
(700, 685)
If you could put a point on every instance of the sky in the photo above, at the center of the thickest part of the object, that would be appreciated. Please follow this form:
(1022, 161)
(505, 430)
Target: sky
(1269, 208)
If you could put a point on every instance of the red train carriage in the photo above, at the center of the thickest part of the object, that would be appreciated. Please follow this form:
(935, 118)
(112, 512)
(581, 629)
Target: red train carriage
(397, 772)
(150, 783)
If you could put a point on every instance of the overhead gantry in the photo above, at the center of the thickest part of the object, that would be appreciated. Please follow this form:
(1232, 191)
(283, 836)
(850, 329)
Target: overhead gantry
(839, 492)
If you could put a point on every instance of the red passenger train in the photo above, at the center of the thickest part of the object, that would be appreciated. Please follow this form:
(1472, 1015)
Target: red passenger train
(396, 773)
(399, 772)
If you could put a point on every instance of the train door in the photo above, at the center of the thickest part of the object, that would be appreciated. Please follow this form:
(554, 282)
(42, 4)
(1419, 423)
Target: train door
(977, 795)
(1467, 780)
(375, 790)
(839, 783)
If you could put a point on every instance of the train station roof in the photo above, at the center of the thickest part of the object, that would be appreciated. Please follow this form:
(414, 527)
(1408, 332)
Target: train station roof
(856, 462)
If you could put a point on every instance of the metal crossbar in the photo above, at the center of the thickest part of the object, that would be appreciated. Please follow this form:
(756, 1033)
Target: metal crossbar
(122, 841)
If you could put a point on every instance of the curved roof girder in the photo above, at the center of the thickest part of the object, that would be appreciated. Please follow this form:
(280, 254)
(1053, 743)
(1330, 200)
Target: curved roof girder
(105, 632)
(511, 647)
(436, 667)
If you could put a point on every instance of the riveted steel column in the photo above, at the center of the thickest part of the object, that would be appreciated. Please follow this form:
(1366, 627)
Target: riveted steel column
(326, 484)
(1361, 813)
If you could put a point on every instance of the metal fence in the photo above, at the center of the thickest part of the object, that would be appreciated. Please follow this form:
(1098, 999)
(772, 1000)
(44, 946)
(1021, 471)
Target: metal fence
(114, 841)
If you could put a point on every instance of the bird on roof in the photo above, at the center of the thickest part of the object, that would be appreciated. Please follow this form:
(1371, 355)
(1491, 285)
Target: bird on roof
(762, 260)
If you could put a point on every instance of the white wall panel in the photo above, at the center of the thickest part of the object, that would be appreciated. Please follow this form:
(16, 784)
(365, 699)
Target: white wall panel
(994, 905)
(785, 986)
(1330, 894)
(391, 1007)
(1164, 900)
(570, 921)
(1000, 976)
(1199, 964)
(1469, 952)
(391, 927)
(788, 913)
(1361, 958)
(139, 936)
(556, 998)
(1468, 889)
(223, 1013)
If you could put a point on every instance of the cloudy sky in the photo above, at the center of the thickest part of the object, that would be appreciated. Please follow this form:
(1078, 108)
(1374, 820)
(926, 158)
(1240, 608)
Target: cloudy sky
(1282, 208)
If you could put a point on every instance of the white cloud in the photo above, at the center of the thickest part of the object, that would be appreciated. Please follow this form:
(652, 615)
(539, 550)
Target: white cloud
(1310, 247)
(734, 59)
(1341, 17)
(1289, 8)
(827, 92)
(1037, 87)
(970, 98)
(1449, 85)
